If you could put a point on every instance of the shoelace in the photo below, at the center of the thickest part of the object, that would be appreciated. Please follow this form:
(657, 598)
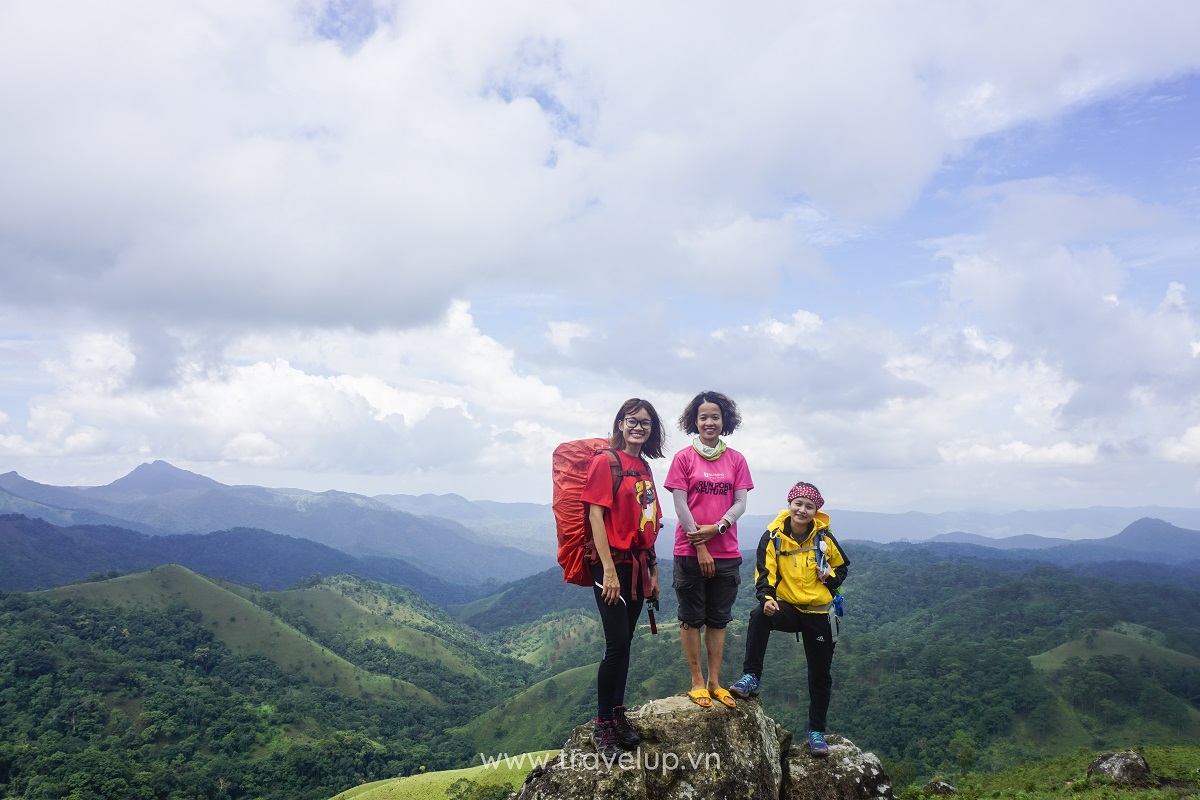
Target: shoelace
(608, 732)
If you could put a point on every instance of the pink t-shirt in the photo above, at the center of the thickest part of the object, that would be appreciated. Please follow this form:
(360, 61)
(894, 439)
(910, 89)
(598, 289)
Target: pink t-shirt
(710, 486)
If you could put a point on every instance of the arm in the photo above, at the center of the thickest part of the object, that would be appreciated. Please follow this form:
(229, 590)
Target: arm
(611, 587)
(682, 512)
(841, 570)
(763, 589)
(738, 508)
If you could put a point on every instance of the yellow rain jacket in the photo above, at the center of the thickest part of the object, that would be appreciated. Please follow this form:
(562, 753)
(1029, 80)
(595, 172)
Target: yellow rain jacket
(786, 567)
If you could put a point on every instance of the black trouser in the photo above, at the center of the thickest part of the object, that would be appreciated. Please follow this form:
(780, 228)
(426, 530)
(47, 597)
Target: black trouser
(619, 621)
(818, 652)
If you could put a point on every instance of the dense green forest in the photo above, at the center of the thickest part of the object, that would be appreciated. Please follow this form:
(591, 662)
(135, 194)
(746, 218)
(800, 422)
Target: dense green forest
(168, 685)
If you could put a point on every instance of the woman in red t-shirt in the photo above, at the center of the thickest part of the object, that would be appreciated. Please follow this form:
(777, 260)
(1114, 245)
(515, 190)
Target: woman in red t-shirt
(624, 518)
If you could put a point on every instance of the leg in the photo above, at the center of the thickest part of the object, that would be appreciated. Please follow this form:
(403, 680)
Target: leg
(714, 645)
(690, 637)
(633, 611)
(758, 632)
(689, 587)
(613, 671)
(721, 592)
(818, 652)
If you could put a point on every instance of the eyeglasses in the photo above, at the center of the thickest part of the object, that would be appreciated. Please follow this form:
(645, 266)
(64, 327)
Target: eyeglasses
(634, 422)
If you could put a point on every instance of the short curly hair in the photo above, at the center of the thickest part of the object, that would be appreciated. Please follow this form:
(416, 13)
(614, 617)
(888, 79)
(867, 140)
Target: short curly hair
(730, 417)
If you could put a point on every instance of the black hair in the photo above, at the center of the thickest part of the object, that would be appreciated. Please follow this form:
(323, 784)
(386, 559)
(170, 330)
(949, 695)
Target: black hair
(730, 417)
(653, 448)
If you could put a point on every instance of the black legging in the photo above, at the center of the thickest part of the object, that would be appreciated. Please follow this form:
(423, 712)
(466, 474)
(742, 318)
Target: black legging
(818, 652)
(619, 621)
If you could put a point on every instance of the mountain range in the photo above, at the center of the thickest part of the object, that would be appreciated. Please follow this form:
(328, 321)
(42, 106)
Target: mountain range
(161, 499)
(530, 526)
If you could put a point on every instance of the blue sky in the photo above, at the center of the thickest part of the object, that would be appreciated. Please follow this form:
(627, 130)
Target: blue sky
(945, 256)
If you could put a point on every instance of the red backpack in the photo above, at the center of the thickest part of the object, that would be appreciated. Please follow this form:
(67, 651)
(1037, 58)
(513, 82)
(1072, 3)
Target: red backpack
(569, 468)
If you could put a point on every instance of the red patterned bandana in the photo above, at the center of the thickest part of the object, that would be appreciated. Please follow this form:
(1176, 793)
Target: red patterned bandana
(806, 491)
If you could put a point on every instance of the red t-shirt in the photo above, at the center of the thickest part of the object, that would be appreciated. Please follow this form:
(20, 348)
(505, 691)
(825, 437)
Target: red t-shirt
(633, 517)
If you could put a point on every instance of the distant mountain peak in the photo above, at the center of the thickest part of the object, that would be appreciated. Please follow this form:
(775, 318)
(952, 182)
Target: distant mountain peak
(159, 476)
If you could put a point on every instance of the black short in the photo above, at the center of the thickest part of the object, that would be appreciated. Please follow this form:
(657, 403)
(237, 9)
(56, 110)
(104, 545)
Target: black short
(706, 601)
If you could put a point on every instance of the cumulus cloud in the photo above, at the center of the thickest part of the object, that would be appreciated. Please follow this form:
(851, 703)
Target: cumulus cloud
(360, 163)
(301, 237)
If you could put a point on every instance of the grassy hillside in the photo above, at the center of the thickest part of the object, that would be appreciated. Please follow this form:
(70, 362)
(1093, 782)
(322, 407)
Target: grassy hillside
(1066, 776)
(540, 716)
(243, 626)
(1050, 779)
(554, 642)
(1131, 641)
(509, 774)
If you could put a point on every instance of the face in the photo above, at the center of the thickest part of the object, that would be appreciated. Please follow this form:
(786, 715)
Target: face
(709, 423)
(802, 511)
(636, 426)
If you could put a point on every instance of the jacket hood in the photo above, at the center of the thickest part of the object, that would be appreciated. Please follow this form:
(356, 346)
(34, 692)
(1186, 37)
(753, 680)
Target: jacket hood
(777, 527)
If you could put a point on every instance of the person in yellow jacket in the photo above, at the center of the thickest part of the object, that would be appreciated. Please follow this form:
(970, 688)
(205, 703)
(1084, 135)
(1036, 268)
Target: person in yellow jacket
(799, 566)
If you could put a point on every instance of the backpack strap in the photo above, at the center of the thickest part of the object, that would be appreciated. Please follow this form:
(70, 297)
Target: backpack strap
(642, 559)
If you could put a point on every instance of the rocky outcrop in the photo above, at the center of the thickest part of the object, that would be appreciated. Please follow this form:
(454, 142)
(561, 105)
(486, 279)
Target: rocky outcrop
(1128, 768)
(697, 753)
(940, 788)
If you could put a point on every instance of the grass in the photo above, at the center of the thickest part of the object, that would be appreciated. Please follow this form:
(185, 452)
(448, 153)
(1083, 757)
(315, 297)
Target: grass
(368, 616)
(542, 715)
(433, 785)
(545, 641)
(1126, 642)
(241, 625)
(1066, 776)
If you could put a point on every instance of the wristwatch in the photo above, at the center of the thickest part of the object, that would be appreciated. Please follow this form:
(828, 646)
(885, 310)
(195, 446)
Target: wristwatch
(722, 526)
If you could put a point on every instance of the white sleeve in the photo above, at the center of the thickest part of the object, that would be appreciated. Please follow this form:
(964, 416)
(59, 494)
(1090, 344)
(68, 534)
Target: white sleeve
(682, 512)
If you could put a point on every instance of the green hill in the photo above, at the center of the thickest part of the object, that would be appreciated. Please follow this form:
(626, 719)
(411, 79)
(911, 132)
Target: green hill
(1134, 642)
(1066, 776)
(540, 716)
(243, 626)
(508, 774)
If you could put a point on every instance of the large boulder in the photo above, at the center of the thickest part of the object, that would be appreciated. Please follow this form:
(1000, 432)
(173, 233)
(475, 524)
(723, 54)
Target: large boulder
(846, 774)
(697, 753)
(1127, 767)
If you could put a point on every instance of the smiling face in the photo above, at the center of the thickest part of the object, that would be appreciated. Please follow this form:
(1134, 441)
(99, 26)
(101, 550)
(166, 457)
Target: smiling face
(802, 510)
(709, 423)
(636, 428)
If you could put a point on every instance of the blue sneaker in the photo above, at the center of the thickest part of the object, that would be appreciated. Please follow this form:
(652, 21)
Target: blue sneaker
(746, 686)
(816, 744)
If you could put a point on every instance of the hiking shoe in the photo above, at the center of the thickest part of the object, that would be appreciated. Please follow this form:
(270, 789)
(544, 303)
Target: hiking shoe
(746, 686)
(626, 735)
(604, 737)
(816, 744)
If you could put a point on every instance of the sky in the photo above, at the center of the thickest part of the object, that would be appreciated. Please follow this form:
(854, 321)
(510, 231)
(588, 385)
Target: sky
(944, 255)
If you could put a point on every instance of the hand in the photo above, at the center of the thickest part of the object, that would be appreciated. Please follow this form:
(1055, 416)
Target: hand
(612, 586)
(770, 607)
(708, 567)
(702, 534)
(654, 584)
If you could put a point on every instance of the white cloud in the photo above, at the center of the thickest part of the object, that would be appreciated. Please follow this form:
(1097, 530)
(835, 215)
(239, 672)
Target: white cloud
(238, 237)
(1185, 448)
(232, 163)
(1018, 452)
(561, 333)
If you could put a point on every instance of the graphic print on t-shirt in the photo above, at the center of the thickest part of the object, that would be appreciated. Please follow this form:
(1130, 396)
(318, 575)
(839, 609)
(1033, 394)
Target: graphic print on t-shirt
(649, 503)
(714, 483)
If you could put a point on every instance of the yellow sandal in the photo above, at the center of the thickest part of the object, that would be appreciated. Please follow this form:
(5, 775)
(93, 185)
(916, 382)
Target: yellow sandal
(724, 696)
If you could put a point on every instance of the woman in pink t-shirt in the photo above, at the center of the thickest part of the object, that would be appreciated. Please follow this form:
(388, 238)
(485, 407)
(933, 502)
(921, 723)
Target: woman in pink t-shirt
(708, 482)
